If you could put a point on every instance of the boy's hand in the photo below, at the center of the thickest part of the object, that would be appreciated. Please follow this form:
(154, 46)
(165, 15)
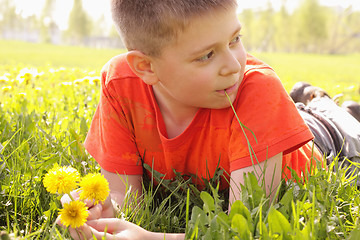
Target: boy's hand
(114, 228)
(81, 233)
(110, 228)
(104, 210)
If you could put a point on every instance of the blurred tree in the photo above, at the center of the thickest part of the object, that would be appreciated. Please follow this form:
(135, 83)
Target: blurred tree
(13, 25)
(311, 29)
(266, 24)
(247, 20)
(345, 32)
(47, 21)
(258, 28)
(79, 24)
(352, 39)
(284, 32)
(99, 27)
(9, 20)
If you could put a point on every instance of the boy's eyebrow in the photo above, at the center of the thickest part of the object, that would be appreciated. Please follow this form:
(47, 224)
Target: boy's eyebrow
(238, 29)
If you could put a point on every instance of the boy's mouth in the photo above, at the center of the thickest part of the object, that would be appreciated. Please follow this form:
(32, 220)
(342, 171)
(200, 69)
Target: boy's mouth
(229, 89)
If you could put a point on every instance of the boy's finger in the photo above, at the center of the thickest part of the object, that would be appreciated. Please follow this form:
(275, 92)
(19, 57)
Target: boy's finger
(75, 195)
(89, 203)
(95, 212)
(66, 198)
(58, 222)
(101, 235)
(81, 233)
(109, 225)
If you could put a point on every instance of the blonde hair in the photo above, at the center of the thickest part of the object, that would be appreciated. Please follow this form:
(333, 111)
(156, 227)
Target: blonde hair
(149, 25)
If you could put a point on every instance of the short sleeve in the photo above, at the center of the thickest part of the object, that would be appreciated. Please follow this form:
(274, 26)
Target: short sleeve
(110, 139)
(271, 122)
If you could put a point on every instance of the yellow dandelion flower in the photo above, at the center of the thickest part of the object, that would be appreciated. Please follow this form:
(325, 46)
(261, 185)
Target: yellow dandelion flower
(86, 80)
(95, 80)
(26, 75)
(22, 95)
(6, 89)
(94, 186)
(74, 214)
(4, 79)
(78, 81)
(61, 179)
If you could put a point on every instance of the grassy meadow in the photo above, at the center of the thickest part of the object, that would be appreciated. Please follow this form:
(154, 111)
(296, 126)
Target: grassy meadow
(334, 73)
(48, 95)
(39, 55)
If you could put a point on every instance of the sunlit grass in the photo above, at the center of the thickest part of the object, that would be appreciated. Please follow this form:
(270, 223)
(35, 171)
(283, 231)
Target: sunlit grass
(34, 54)
(45, 112)
(334, 73)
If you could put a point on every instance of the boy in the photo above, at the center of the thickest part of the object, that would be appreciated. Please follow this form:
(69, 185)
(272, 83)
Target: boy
(165, 103)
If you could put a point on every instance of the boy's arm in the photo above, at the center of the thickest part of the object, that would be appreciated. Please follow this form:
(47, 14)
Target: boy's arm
(119, 184)
(272, 168)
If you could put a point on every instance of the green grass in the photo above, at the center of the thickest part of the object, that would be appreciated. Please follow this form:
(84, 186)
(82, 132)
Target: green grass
(16, 52)
(334, 73)
(44, 120)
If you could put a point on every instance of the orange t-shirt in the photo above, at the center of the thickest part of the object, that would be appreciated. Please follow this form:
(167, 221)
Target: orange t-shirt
(128, 127)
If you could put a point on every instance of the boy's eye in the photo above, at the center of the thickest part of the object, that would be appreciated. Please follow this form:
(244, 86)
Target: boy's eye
(206, 57)
(235, 40)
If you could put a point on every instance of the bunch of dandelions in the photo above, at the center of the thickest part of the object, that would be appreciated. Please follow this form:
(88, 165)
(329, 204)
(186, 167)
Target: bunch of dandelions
(63, 180)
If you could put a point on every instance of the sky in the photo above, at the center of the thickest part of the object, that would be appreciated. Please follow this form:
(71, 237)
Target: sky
(97, 8)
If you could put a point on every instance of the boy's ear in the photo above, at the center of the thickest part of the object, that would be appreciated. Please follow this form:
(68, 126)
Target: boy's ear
(142, 66)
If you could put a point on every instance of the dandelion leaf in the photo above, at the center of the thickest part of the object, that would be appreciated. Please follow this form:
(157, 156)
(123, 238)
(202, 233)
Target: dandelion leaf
(251, 192)
(209, 204)
(285, 202)
(239, 208)
(262, 231)
(199, 216)
(240, 225)
(278, 224)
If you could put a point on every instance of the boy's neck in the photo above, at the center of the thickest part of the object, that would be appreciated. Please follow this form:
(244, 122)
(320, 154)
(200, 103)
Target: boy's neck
(176, 117)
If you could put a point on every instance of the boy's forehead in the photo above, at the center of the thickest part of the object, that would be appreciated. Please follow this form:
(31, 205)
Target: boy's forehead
(201, 28)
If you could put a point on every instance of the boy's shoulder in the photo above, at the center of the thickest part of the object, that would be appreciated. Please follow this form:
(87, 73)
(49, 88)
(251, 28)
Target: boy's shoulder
(117, 68)
(257, 71)
(253, 64)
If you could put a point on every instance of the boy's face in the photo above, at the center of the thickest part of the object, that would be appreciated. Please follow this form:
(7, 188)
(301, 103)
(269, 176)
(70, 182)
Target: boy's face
(207, 59)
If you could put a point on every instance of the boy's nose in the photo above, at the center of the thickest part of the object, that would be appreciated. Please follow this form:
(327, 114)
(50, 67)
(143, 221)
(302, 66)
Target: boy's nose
(230, 64)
